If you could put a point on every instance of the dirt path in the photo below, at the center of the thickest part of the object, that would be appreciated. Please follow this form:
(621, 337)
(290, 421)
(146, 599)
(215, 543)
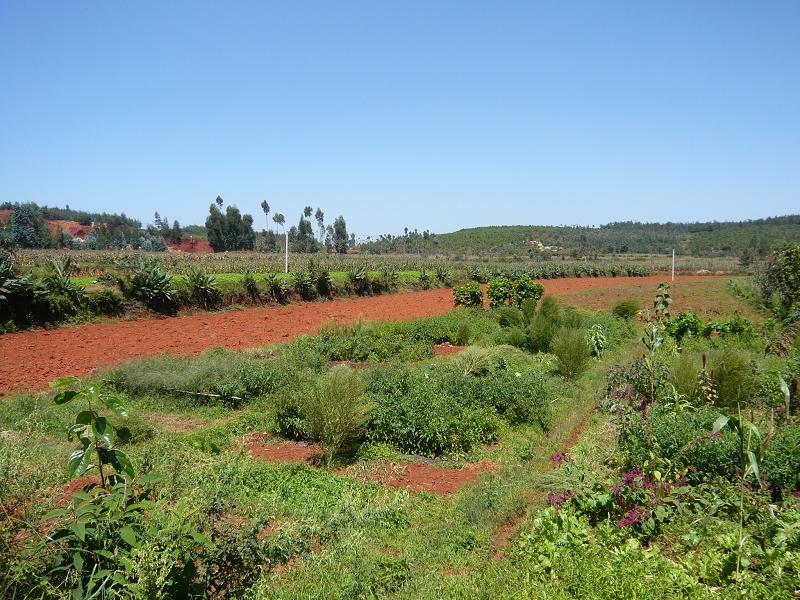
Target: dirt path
(29, 360)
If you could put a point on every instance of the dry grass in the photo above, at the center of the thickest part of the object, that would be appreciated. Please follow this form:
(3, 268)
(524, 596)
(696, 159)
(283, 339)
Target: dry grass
(708, 297)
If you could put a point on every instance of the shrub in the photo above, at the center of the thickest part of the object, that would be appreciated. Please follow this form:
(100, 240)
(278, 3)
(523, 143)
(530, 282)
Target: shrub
(304, 285)
(509, 316)
(203, 289)
(684, 372)
(572, 351)
(627, 309)
(528, 308)
(469, 295)
(104, 302)
(278, 288)
(443, 275)
(359, 280)
(500, 291)
(250, 285)
(733, 376)
(424, 279)
(525, 289)
(683, 324)
(335, 413)
(541, 332)
(151, 284)
(782, 458)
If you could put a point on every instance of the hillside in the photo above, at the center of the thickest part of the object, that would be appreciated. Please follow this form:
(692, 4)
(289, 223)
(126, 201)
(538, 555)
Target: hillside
(697, 239)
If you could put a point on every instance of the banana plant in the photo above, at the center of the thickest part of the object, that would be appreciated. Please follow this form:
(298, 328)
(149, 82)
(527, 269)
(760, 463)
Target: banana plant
(94, 432)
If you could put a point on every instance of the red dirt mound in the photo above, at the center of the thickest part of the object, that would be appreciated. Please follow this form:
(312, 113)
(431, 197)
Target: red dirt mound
(446, 349)
(192, 246)
(260, 447)
(73, 228)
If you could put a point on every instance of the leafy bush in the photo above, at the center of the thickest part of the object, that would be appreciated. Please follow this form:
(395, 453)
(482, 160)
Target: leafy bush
(335, 414)
(597, 339)
(572, 351)
(733, 376)
(278, 287)
(684, 373)
(683, 324)
(203, 289)
(509, 316)
(500, 291)
(359, 280)
(627, 309)
(684, 438)
(469, 294)
(305, 285)
(525, 289)
(104, 302)
(782, 458)
(150, 283)
(250, 285)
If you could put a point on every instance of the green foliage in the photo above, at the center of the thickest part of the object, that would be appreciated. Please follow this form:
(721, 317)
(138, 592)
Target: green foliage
(334, 412)
(149, 283)
(781, 277)
(782, 459)
(509, 316)
(572, 351)
(359, 280)
(305, 285)
(469, 295)
(500, 291)
(597, 339)
(525, 289)
(733, 375)
(95, 432)
(684, 323)
(229, 231)
(203, 289)
(627, 309)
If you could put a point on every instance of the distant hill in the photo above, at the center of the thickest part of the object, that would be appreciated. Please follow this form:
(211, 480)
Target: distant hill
(731, 238)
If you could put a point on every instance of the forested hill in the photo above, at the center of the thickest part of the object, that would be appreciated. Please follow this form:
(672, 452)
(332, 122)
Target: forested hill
(732, 238)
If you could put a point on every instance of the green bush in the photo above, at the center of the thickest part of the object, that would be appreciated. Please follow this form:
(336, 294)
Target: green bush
(335, 414)
(684, 370)
(104, 302)
(685, 438)
(524, 289)
(203, 289)
(304, 285)
(627, 309)
(500, 291)
(683, 324)
(541, 332)
(469, 295)
(733, 376)
(572, 351)
(150, 283)
(509, 316)
(782, 458)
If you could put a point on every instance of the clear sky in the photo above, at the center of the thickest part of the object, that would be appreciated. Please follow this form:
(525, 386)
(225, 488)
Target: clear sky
(434, 115)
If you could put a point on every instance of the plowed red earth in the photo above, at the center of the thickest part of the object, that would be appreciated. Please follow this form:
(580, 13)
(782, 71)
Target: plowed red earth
(29, 360)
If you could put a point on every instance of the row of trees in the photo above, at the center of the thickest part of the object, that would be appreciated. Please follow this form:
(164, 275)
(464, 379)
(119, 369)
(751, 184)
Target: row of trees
(234, 231)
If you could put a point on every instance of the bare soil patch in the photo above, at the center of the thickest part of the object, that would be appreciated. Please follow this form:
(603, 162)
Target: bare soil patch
(32, 359)
(261, 447)
(446, 349)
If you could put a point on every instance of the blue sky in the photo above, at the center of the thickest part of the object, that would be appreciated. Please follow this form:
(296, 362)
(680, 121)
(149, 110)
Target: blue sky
(434, 115)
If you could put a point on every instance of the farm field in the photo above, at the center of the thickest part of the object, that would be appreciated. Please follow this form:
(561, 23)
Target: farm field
(35, 358)
(493, 453)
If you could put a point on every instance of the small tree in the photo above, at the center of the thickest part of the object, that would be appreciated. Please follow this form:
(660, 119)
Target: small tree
(320, 217)
(265, 208)
(340, 238)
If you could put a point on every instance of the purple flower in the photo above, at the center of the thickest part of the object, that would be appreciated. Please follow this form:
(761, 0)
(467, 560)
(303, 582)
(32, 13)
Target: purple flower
(556, 499)
(631, 517)
(560, 457)
(644, 408)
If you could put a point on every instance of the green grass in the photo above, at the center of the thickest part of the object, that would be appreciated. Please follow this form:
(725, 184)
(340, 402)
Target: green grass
(337, 535)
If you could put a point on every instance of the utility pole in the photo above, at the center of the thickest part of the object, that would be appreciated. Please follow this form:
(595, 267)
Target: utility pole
(286, 253)
(673, 264)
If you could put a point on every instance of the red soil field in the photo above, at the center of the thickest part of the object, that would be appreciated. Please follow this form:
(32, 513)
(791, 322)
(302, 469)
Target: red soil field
(192, 246)
(29, 360)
